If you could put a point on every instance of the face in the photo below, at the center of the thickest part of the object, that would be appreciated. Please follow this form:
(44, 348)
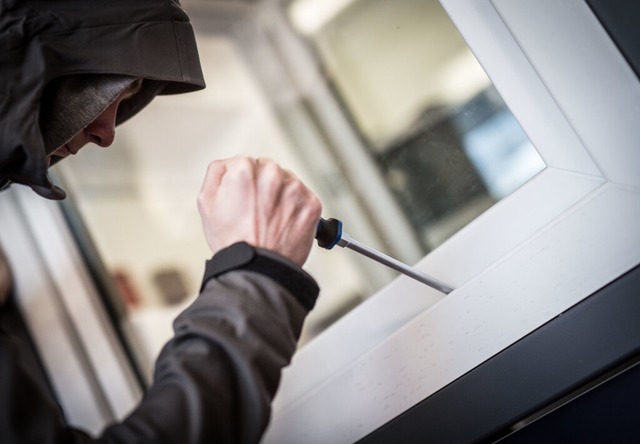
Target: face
(101, 130)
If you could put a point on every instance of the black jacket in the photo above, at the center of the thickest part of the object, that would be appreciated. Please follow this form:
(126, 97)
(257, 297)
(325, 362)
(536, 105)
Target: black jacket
(41, 40)
(215, 379)
(213, 382)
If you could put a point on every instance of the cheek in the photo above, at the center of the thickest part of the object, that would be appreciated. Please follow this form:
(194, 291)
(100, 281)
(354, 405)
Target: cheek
(78, 141)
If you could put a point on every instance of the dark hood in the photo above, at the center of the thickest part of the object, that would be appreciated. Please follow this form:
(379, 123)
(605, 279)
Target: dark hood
(41, 41)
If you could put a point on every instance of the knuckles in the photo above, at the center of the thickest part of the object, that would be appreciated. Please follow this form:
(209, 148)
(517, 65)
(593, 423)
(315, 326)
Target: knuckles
(243, 174)
(242, 169)
(202, 203)
(312, 210)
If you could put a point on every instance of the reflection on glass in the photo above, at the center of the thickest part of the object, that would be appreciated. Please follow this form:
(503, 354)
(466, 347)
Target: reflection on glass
(443, 139)
(455, 163)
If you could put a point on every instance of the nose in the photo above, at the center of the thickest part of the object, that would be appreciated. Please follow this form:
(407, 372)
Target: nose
(102, 131)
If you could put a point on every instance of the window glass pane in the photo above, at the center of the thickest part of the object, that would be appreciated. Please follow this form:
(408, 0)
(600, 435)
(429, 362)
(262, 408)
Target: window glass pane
(444, 140)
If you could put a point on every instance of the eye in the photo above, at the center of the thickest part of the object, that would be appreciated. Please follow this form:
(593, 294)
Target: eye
(133, 89)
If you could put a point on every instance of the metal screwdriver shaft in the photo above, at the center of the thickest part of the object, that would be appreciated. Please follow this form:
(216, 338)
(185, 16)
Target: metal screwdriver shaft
(329, 234)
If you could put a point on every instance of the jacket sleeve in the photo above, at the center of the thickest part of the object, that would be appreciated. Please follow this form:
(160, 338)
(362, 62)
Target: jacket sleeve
(215, 379)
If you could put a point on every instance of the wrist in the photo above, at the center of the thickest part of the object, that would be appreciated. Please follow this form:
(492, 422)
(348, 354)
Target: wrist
(242, 256)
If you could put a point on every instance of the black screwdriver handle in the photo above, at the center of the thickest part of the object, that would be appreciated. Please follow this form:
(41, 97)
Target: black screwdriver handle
(328, 232)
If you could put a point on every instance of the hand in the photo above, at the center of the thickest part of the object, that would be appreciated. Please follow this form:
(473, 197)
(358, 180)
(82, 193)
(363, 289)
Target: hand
(259, 202)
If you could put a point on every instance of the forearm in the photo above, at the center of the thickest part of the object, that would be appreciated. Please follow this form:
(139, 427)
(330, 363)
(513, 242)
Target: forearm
(214, 381)
(216, 378)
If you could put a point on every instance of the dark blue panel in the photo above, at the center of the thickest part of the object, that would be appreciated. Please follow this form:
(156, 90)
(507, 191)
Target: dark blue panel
(620, 18)
(610, 413)
(600, 333)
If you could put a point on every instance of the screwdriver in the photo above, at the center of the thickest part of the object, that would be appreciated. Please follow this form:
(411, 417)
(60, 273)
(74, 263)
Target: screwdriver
(329, 234)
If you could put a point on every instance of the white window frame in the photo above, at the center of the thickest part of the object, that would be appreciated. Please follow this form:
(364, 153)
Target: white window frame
(91, 376)
(563, 235)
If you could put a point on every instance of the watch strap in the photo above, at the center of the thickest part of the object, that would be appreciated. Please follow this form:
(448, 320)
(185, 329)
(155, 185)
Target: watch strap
(242, 256)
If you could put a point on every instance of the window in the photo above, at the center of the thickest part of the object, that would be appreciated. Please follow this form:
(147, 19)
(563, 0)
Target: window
(554, 241)
(441, 137)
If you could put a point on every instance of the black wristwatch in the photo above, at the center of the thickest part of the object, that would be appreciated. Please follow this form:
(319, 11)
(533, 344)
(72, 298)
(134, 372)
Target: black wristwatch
(242, 256)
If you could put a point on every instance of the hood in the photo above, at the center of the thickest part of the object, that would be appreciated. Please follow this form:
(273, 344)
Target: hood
(42, 41)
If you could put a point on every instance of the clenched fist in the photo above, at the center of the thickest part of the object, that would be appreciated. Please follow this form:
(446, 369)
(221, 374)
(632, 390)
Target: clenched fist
(259, 202)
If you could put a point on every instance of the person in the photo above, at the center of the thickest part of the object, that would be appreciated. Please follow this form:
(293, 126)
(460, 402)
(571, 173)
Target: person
(70, 71)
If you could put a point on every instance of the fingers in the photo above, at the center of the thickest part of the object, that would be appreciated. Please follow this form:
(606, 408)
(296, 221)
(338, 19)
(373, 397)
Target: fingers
(271, 179)
(235, 172)
(303, 209)
(259, 202)
(212, 179)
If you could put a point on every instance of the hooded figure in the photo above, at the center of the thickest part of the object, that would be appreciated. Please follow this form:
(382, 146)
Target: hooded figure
(62, 63)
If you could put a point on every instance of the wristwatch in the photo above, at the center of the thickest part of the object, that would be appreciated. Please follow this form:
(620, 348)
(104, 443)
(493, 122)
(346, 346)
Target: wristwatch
(242, 256)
